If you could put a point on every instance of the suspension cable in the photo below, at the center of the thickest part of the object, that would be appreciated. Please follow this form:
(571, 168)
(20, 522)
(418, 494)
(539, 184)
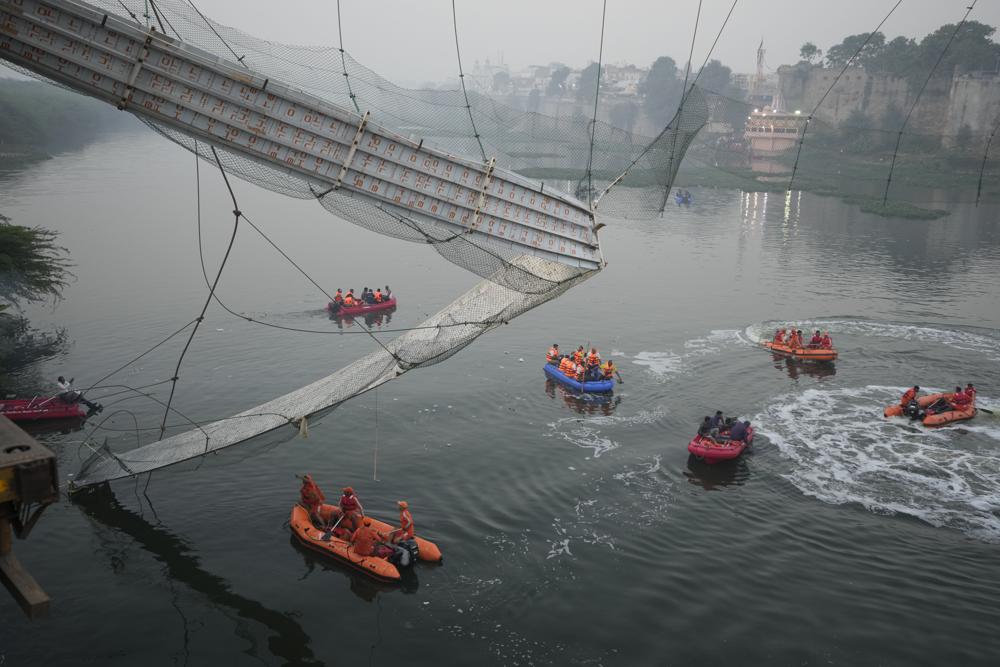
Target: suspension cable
(343, 61)
(986, 153)
(593, 124)
(461, 78)
(211, 27)
(809, 118)
(899, 137)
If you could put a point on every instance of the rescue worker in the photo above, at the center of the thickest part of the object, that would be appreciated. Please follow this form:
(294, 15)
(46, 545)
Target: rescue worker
(378, 295)
(367, 540)
(351, 508)
(553, 356)
(406, 530)
(826, 343)
(339, 296)
(567, 367)
(738, 432)
(608, 369)
(312, 498)
(960, 400)
(349, 300)
(795, 339)
(816, 340)
(593, 364)
(580, 372)
(970, 392)
(779, 336)
(909, 395)
(579, 355)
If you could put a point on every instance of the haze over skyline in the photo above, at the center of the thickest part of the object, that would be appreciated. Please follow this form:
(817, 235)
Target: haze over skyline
(413, 43)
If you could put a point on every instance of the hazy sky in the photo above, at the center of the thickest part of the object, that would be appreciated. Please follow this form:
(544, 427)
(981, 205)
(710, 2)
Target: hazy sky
(410, 41)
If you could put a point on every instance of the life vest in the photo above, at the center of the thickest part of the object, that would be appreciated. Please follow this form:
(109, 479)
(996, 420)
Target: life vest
(609, 370)
(349, 300)
(406, 524)
(593, 359)
(971, 393)
(378, 296)
(578, 357)
(816, 340)
(581, 372)
(826, 343)
(364, 540)
(907, 397)
(779, 337)
(310, 495)
(338, 297)
(961, 400)
(566, 366)
(552, 355)
(349, 503)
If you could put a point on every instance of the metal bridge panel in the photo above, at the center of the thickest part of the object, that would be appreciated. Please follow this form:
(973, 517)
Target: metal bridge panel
(167, 81)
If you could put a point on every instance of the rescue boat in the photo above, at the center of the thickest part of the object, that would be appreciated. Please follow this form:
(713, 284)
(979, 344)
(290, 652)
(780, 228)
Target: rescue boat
(714, 451)
(340, 549)
(361, 309)
(592, 387)
(806, 353)
(33, 409)
(936, 419)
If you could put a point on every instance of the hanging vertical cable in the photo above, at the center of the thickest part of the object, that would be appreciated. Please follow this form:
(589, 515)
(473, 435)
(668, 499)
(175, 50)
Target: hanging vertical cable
(343, 61)
(802, 137)
(461, 78)
(899, 136)
(593, 123)
(986, 154)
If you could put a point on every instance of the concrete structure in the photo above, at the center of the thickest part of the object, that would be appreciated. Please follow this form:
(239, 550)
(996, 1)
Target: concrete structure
(974, 102)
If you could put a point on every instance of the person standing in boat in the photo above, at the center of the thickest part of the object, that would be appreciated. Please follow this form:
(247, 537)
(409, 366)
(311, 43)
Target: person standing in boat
(406, 531)
(312, 498)
(388, 293)
(593, 365)
(351, 508)
(378, 295)
(716, 424)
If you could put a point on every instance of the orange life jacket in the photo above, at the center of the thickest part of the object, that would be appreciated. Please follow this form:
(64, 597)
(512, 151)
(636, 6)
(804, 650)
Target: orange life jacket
(378, 296)
(826, 343)
(349, 300)
(406, 524)
(310, 495)
(364, 540)
(609, 370)
(581, 372)
(338, 297)
(779, 337)
(910, 394)
(566, 366)
(578, 357)
(552, 355)
(593, 359)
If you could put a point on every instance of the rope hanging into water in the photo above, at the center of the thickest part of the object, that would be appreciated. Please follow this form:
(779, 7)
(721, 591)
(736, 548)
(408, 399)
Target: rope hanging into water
(597, 97)
(805, 128)
(899, 137)
(211, 292)
(986, 154)
(461, 78)
(375, 460)
(343, 61)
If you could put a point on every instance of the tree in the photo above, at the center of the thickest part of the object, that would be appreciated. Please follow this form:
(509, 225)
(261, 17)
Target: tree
(972, 49)
(586, 87)
(662, 90)
(501, 80)
(557, 82)
(809, 52)
(715, 77)
(839, 54)
(624, 115)
(32, 266)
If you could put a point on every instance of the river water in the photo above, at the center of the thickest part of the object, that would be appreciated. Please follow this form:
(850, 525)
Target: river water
(574, 532)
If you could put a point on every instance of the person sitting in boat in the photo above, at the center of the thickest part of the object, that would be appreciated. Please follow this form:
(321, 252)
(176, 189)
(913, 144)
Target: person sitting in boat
(738, 432)
(349, 300)
(339, 296)
(705, 427)
(816, 340)
(68, 395)
(908, 396)
(579, 355)
(960, 400)
(580, 373)
(312, 498)
(553, 357)
(378, 295)
(566, 366)
(826, 343)
(779, 336)
(970, 391)
(388, 293)
(369, 296)
(406, 530)
(367, 541)
(593, 365)
(716, 423)
(351, 509)
(608, 369)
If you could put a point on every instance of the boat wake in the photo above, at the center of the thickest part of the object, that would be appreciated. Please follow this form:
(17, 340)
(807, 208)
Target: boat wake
(843, 451)
(668, 364)
(983, 341)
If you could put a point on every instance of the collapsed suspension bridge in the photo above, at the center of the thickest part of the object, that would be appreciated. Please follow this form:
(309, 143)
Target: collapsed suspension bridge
(272, 118)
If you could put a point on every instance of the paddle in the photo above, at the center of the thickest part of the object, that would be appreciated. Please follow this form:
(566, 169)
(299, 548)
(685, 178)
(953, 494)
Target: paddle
(987, 411)
(329, 531)
(620, 380)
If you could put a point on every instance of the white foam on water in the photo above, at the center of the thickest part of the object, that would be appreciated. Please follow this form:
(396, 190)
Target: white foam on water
(586, 433)
(844, 451)
(666, 364)
(986, 345)
(661, 364)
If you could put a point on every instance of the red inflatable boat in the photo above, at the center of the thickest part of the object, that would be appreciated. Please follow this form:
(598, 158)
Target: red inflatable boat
(40, 407)
(362, 309)
(712, 451)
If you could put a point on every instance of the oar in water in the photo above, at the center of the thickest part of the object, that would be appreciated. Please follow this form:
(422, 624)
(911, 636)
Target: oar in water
(329, 531)
(989, 412)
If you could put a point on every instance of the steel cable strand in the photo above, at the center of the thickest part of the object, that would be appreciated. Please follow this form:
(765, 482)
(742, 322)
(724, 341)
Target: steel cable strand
(204, 308)
(593, 124)
(930, 75)
(343, 61)
(986, 153)
(461, 78)
(798, 153)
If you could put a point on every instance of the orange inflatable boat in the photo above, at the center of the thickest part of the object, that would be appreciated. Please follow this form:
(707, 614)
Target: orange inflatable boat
(807, 353)
(378, 567)
(935, 419)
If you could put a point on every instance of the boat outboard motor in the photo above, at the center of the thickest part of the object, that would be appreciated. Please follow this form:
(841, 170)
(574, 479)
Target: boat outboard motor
(405, 553)
(912, 410)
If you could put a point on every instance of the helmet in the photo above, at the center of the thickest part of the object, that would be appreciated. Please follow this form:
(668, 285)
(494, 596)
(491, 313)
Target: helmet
(403, 504)
(348, 490)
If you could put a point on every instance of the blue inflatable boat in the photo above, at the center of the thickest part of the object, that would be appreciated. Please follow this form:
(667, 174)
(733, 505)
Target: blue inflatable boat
(599, 387)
